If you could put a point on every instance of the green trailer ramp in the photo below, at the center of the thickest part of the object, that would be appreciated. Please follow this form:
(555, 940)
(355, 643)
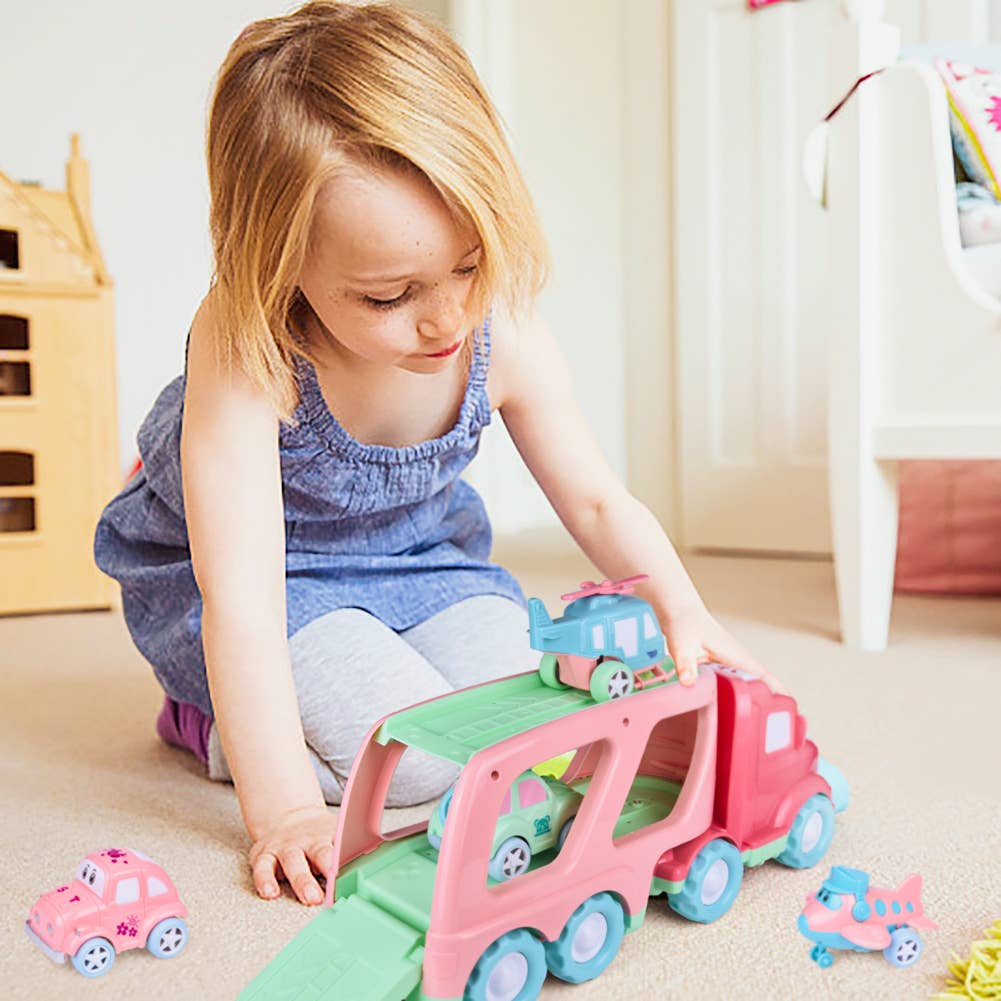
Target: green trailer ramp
(353, 950)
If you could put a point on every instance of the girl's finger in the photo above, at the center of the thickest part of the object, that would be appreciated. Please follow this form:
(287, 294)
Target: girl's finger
(265, 880)
(686, 663)
(743, 661)
(321, 857)
(302, 881)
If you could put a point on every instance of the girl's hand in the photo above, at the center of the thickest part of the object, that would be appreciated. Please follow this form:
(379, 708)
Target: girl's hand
(694, 637)
(299, 844)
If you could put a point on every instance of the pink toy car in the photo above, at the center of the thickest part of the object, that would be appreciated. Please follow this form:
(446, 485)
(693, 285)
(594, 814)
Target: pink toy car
(120, 899)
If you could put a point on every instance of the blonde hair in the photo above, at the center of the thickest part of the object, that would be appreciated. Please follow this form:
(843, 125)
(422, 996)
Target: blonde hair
(299, 95)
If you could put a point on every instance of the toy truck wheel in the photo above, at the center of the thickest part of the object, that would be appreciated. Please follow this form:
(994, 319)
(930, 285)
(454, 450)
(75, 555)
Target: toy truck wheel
(611, 679)
(810, 834)
(510, 860)
(168, 938)
(94, 957)
(712, 883)
(589, 940)
(512, 969)
(549, 671)
(904, 948)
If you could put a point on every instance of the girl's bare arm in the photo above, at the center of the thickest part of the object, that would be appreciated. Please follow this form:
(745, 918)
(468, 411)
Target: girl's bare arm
(616, 531)
(236, 528)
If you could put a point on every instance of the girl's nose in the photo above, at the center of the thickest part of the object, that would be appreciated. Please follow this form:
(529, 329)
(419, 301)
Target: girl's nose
(442, 319)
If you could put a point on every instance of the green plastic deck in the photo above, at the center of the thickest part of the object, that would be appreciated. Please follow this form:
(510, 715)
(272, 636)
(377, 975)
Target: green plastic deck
(352, 950)
(456, 726)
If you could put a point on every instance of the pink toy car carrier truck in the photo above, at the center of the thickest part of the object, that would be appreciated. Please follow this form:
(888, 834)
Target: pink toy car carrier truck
(679, 789)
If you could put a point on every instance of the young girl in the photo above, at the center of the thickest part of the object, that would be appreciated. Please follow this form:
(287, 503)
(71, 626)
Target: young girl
(298, 555)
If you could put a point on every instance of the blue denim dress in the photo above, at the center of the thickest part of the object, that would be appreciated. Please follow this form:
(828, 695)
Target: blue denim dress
(393, 531)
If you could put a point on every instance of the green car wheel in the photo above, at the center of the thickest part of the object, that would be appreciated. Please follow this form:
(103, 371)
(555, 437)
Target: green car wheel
(549, 672)
(611, 679)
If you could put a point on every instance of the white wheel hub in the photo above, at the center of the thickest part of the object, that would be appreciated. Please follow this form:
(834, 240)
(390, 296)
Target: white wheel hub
(96, 957)
(589, 938)
(715, 882)
(812, 831)
(171, 939)
(619, 684)
(507, 978)
(515, 862)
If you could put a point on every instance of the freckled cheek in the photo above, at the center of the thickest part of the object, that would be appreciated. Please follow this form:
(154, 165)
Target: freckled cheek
(378, 335)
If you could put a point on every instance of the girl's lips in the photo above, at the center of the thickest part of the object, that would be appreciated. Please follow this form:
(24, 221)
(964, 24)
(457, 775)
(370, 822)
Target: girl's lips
(448, 351)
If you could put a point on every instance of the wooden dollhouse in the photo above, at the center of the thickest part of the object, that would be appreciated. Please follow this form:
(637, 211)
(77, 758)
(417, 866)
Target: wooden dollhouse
(58, 430)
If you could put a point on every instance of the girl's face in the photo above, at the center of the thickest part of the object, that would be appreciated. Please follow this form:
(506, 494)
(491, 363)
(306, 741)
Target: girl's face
(388, 272)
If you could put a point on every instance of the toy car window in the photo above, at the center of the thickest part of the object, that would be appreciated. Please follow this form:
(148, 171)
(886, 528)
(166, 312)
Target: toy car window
(626, 636)
(127, 890)
(598, 637)
(530, 792)
(649, 626)
(778, 731)
(91, 876)
(155, 887)
(506, 805)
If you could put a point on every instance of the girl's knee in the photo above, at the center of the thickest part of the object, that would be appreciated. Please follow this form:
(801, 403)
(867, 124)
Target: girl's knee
(419, 778)
(331, 782)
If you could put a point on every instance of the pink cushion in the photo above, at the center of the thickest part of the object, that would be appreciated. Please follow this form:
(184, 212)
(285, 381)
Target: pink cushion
(950, 527)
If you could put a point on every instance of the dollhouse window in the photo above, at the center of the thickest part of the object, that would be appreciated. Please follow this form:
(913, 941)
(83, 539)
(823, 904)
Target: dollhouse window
(10, 257)
(17, 514)
(15, 378)
(17, 469)
(13, 333)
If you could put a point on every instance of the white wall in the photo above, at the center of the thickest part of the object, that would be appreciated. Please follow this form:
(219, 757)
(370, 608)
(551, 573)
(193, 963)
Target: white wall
(583, 87)
(134, 80)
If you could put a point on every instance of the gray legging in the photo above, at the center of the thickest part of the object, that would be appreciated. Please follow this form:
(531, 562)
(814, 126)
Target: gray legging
(351, 670)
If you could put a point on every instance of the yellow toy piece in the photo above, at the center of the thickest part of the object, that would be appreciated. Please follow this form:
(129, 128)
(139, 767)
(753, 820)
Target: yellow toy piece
(979, 976)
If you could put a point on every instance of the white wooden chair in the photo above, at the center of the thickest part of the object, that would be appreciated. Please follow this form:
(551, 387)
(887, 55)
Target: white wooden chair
(915, 342)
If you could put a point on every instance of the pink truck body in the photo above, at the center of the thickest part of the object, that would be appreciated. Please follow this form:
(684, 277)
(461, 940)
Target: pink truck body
(738, 751)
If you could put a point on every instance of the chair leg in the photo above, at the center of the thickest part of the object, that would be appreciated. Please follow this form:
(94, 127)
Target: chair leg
(864, 524)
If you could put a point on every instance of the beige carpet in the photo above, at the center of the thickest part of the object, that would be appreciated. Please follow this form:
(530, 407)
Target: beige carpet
(915, 729)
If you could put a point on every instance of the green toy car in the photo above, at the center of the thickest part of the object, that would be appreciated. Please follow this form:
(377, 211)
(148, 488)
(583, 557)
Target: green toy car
(536, 814)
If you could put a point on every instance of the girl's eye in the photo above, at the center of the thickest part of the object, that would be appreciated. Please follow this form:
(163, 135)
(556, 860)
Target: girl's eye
(389, 303)
(466, 272)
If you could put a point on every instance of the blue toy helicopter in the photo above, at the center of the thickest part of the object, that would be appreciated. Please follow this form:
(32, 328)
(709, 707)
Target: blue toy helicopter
(607, 641)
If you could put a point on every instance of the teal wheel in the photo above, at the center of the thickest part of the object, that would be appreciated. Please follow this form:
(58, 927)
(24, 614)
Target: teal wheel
(511, 969)
(810, 834)
(589, 940)
(712, 884)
